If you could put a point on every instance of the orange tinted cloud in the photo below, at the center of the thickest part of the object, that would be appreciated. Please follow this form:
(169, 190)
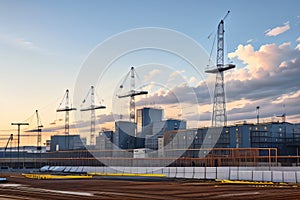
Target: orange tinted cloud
(278, 30)
(261, 63)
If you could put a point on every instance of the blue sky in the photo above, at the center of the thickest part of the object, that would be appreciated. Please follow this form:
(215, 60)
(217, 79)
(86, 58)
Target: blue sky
(44, 43)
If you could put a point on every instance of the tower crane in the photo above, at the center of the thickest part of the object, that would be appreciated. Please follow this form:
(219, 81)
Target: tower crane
(10, 139)
(92, 108)
(219, 117)
(39, 131)
(132, 93)
(66, 109)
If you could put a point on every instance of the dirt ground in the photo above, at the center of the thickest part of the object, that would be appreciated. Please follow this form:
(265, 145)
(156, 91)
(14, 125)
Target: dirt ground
(18, 187)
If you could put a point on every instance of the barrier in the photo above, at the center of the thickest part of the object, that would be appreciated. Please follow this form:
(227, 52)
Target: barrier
(289, 177)
(180, 172)
(277, 176)
(86, 169)
(223, 173)
(267, 176)
(211, 173)
(110, 170)
(199, 173)
(166, 171)
(258, 174)
(155, 170)
(189, 172)
(172, 172)
(234, 175)
(298, 177)
(245, 175)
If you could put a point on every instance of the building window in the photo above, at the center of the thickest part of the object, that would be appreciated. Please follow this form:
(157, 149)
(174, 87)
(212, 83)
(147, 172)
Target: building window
(265, 128)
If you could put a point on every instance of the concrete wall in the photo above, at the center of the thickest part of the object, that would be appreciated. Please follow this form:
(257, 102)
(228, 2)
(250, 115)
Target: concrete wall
(273, 174)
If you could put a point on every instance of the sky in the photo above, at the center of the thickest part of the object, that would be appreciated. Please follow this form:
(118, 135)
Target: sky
(45, 44)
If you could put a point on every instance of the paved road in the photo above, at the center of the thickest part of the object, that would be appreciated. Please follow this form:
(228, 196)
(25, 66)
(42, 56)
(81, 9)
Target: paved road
(18, 187)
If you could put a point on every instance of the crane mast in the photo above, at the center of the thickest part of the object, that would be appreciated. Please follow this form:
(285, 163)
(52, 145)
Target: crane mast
(132, 93)
(93, 109)
(39, 131)
(10, 139)
(219, 116)
(66, 109)
(132, 97)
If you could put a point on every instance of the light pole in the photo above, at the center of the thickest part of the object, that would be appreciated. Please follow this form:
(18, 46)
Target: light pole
(257, 112)
(19, 127)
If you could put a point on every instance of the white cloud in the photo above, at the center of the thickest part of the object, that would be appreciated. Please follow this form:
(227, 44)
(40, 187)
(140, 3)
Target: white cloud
(260, 63)
(298, 39)
(278, 30)
(175, 75)
(270, 77)
(192, 80)
(250, 40)
(18, 42)
(151, 74)
(284, 97)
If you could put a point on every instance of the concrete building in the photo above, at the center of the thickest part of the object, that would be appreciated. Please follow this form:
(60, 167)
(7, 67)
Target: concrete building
(159, 128)
(146, 118)
(124, 137)
(283, 136)
(104, 141)
(66, 142)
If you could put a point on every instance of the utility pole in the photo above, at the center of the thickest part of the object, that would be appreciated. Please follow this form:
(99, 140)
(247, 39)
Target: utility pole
(19, 127)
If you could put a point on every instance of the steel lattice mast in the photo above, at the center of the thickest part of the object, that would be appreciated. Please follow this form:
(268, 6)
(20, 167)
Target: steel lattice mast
(66, 109)
(39, 130)
(219, 116)
(93, 109)
(132, 93)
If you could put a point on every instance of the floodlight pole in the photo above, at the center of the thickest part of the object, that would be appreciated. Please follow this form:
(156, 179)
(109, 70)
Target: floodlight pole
(19, 127)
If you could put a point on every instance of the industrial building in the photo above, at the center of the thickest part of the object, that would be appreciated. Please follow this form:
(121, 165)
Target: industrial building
(66, 142)
(283, 136)
(124, 137)
(151, 125)
(105, 140)
(151, 141)
(146, 118)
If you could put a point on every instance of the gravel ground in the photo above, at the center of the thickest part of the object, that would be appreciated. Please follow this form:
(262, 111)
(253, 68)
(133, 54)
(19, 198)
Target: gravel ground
(18, 187)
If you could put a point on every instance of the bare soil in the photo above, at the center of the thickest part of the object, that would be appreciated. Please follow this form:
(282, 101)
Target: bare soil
(18, 187)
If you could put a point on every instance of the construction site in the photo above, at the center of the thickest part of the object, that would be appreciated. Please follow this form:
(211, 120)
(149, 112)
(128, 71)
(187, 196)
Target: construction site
(153, 157)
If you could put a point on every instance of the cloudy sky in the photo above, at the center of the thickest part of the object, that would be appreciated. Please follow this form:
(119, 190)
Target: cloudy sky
(44, 45)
